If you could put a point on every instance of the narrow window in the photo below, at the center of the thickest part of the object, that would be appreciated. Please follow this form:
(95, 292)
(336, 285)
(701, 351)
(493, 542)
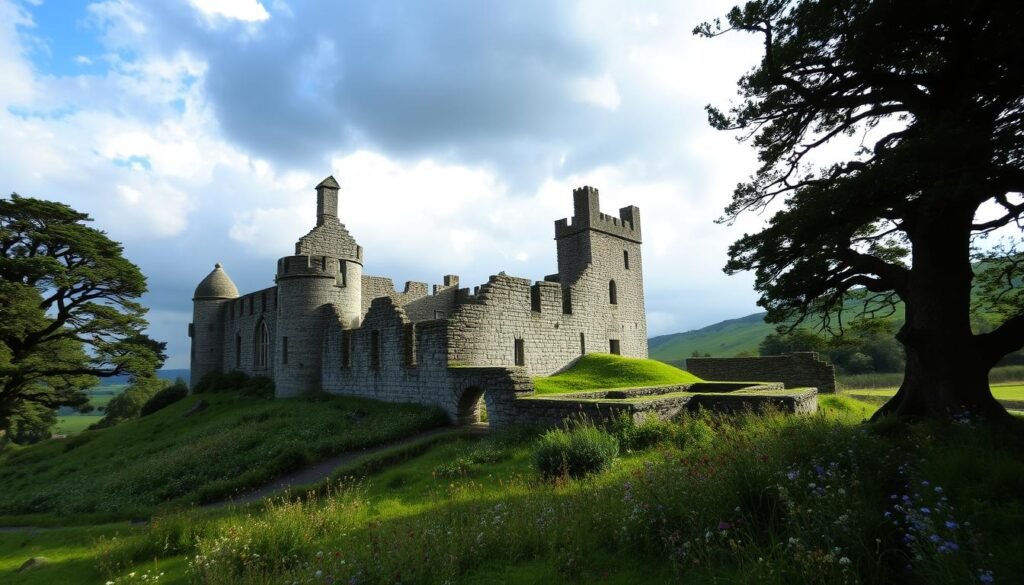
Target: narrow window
(409, 348)
(613, 347)
(346, 349)
(613, 295)
(625, 259)
(262, 346)
(284, 350)
(440, 314)
(535, 298)
(375, 350)
(567, 301)
(520, 348)
(583, 344)
(343, 270)
(238, 351)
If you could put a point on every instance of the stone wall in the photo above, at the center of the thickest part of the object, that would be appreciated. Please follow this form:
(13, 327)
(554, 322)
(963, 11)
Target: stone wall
(794, 370)
(242, 319)
(390, 358)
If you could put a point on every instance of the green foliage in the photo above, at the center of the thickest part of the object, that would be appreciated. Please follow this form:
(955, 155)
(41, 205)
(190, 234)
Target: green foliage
(164, 398)
(575, 452)
(865, 346)
(166, 459)
(68, 310)
(128, 404)
(256, 386)
(598, 371)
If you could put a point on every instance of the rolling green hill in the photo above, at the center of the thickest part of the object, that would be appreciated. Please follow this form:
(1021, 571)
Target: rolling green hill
(723, 339)
(596, 371)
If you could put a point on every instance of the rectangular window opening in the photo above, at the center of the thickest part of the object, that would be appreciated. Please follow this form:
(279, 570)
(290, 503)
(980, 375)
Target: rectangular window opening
(535, 298)
(583, 344)
(613, 347)
(625, 258)
(567, 301)
(284, 350)
(520, 348)
(375, 350)
(346, 349)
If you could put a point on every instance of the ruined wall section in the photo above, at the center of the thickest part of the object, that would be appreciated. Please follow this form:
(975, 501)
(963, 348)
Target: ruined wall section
(242, 320)
(419, 305)
(794, 370)
(484, 328)
(388, 358)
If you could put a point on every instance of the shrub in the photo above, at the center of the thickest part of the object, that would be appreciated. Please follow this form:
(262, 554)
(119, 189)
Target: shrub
(128, 404)
(164, 398)
(631, 435)
(575, 452)
(257, 386)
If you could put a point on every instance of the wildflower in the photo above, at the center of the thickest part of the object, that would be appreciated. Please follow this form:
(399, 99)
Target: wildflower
(723, 525)
(792, 475)
(952, 525)
(986, 577)
(844, 561)
(926, 511)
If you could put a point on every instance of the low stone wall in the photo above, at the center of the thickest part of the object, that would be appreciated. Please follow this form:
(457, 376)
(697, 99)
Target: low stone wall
(795, 370)
(552, 412)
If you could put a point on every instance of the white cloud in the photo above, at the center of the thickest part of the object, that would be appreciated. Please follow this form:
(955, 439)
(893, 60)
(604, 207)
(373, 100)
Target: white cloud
(244, 10)
(141, 146)
(598, 91)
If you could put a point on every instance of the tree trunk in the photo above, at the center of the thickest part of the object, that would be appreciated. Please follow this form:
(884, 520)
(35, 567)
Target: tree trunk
(947, 374)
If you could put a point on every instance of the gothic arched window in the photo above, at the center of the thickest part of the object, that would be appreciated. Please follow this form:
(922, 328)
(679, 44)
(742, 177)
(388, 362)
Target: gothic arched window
(262, 354)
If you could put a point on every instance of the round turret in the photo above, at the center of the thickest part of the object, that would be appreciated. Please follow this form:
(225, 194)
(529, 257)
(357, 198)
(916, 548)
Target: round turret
(216, 285)
(207, 327)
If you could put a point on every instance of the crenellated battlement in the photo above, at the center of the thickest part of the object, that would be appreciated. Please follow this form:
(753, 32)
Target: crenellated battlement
(312, 266)
(587, 216)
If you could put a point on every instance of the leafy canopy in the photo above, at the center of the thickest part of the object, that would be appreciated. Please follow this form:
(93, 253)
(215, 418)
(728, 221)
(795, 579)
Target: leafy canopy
(68, 309)
(931, 98)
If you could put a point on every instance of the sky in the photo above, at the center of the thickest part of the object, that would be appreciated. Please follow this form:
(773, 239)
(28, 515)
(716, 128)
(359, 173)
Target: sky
(195, 131)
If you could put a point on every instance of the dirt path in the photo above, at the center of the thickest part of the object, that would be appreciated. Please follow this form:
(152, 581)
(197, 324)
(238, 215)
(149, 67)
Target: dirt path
(322, 470)
(314, 473)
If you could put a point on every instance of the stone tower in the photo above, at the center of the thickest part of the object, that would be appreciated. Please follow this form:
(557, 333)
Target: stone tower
(601, 272)
(209, 303)
(326, 271)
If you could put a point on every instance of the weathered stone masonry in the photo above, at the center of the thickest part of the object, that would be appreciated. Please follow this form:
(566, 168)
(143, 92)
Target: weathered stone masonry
(327, 325)
(794, 370)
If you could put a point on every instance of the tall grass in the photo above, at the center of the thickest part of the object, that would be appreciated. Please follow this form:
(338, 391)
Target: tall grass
(170, 459)
(745, 499)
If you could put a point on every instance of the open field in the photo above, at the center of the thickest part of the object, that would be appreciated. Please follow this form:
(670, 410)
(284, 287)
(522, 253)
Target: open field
(599, 371)
(1010, 395)
(769, 499)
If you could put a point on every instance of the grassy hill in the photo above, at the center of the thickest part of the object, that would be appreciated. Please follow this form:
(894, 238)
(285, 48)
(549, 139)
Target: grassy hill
(746, 499)
(170, 459)
(723, 339)
(598, 371)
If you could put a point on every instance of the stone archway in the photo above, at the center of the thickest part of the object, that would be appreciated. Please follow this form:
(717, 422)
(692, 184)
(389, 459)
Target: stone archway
(469, 406)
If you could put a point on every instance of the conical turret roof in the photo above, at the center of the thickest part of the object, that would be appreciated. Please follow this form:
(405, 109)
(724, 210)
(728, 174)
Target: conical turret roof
(216, 285)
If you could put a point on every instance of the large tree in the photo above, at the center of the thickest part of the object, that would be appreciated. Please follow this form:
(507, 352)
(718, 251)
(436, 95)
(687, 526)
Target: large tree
(931, 96)
(68, 312)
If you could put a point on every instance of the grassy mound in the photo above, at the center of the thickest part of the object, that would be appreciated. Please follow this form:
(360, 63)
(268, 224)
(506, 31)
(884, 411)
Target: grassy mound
(169, 459)
(598, 371)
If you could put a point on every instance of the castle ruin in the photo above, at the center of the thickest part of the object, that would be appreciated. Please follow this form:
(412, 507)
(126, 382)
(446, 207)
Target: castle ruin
(326, 325)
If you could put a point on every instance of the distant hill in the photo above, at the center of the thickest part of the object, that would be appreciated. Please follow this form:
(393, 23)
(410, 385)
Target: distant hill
(723, 339)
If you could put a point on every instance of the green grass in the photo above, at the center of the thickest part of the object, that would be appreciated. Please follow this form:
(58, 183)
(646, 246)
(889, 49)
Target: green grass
(1001, 392)
(73, 424)
(599, 371)
(745, 499)
(166, 459)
